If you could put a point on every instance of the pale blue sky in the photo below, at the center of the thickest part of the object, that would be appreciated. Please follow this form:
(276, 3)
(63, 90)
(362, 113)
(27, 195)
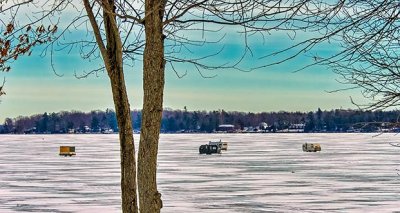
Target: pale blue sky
(33, 88)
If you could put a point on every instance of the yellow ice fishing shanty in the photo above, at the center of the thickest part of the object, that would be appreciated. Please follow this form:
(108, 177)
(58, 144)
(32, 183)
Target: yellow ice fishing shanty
(67, 150)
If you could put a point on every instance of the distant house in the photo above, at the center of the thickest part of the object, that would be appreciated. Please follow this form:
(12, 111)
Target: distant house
(107, 131)
(30, 131)
(296, 128)
(263, 126)
(86, 129)
(251, 129)
(226, 128)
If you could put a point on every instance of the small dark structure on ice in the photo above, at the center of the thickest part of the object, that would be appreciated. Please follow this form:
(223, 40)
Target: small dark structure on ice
(209, 149)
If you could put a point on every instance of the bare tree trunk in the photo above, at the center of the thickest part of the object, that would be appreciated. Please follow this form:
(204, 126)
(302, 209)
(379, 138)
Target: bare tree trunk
(153, 88)
(127, 152)
(112, 56)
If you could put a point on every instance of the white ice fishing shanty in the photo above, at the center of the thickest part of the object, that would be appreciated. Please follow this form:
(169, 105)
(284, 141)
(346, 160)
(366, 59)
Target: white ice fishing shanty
(220, 144)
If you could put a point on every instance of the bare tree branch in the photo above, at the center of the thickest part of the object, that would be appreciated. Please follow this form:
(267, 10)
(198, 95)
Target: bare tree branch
(2, 86)
(96, 31)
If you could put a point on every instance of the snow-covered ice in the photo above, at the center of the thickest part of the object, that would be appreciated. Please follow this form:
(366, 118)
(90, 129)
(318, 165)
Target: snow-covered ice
(258, 173)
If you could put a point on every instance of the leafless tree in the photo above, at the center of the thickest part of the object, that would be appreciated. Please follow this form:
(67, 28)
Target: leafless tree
(368, 34)
(164, 35)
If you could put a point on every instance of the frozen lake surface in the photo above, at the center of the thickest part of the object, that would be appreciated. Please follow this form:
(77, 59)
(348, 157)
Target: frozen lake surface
(258, 173)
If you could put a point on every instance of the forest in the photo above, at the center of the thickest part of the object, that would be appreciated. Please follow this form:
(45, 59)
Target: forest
(184, 121)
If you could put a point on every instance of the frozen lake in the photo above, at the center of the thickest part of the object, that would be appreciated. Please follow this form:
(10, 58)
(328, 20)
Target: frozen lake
(258, 173)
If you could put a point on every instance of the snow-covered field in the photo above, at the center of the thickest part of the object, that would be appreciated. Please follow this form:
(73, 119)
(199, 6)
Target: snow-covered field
(258, 173)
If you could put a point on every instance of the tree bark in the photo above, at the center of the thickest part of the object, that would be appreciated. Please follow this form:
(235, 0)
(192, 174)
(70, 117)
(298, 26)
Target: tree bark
(153, 88)
(122, 109)
(127, 152)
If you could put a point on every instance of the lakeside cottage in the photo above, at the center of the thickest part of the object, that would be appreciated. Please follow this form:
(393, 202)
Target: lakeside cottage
(229, 128)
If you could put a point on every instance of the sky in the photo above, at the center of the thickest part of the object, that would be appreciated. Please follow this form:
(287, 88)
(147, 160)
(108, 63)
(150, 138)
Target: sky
(33, 88)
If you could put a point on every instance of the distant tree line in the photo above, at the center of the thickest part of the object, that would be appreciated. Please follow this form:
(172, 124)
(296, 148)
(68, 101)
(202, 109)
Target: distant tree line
(338, 120)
